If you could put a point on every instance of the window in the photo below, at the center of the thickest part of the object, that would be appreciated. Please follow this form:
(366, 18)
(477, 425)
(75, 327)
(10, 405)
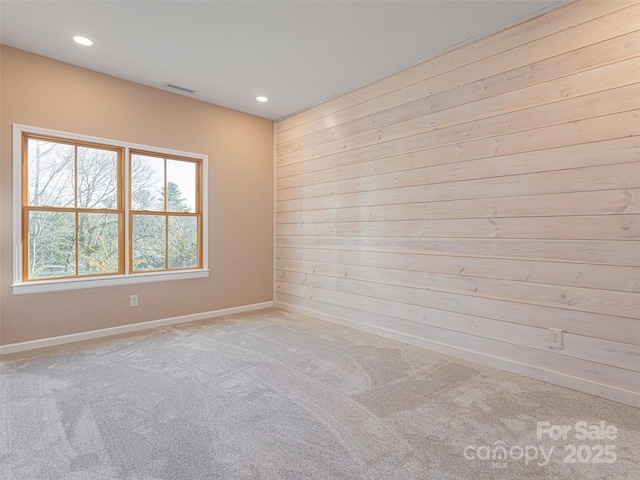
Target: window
(164, 214)
(92, 212)
(72, 209)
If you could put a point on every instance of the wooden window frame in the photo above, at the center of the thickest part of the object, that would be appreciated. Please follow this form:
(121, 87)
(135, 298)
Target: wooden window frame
(125, 276)
(27, 209)
(165, 212)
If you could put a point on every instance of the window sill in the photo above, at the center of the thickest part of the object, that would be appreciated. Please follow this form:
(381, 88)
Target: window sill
(46, 286)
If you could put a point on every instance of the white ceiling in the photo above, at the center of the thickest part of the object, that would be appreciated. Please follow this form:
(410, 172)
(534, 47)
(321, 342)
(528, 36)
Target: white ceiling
(298, 53)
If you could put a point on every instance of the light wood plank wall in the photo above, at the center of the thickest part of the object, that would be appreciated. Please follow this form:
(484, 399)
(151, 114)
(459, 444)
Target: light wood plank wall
(472, 202)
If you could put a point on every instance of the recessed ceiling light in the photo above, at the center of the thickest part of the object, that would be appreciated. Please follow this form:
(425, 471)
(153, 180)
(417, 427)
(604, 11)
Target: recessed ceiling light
(262, 99)
(82, 40)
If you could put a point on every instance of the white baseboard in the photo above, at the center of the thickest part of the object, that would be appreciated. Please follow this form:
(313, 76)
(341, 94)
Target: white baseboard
(556, 378)
(134, 327)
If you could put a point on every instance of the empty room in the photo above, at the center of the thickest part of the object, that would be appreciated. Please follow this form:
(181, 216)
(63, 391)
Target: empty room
(319, 240)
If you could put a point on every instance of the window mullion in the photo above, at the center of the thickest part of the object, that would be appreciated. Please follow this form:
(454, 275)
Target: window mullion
(166, 208)
(76, 203)
(166, 218)
(122, 210)
(77, 244)
(128, 209)
(130, 241)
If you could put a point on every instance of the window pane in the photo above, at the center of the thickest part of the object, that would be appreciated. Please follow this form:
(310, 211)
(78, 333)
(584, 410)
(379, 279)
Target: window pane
(98, 243)
(97, 178)
(183, 242)
(149, 242)
(51, 174)
(52, 244)
(147, 183)
(181, 186)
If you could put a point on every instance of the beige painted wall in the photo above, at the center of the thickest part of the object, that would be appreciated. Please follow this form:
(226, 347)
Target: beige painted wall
(45, 93)
(472, 202)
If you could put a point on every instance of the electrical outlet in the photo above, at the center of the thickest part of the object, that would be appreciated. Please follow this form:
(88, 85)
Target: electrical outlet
(555, 338)
(133, 301)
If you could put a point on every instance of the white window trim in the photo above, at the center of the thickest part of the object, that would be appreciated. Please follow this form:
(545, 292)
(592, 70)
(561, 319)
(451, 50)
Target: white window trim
(44, 286)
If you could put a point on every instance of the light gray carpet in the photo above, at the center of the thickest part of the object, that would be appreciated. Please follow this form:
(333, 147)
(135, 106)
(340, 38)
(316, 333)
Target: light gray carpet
(272, 395)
